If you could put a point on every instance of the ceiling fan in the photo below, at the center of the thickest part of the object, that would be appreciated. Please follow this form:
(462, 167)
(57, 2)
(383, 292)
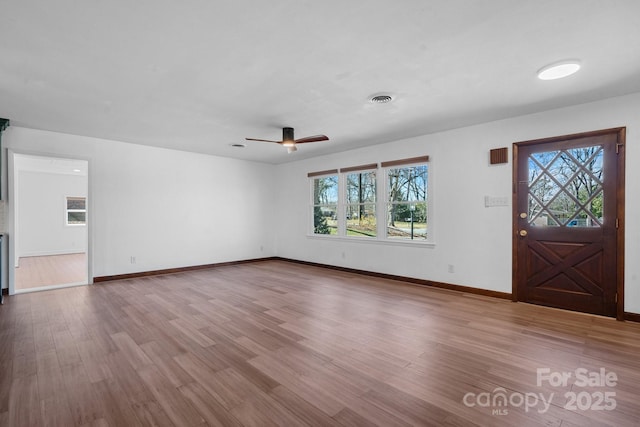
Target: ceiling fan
(290, 142)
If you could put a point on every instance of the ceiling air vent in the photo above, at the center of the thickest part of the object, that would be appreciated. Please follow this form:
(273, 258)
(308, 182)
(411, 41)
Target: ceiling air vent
(381, 99)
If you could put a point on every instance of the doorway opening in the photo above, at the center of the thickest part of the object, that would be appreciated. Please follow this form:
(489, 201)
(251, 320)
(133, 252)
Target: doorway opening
(50, 222)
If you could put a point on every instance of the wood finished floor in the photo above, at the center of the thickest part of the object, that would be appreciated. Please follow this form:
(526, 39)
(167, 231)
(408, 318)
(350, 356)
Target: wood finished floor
(278, 343)
(37, 271)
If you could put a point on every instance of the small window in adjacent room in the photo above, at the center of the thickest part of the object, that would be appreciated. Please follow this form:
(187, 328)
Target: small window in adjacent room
(407, 203)
(325, 202)
(76, 211)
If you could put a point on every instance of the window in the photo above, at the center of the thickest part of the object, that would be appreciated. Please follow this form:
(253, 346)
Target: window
(325, 202)
(76, 211)
(406, 205)
(361, 204)
(566, 187)
(359, 211)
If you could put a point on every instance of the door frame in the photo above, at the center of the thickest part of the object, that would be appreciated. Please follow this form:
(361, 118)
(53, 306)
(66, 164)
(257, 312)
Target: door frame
(620, 208)
(10, 211)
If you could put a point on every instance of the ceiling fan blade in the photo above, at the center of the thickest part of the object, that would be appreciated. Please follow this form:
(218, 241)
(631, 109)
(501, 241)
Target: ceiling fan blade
(314, 138)
(263, 140)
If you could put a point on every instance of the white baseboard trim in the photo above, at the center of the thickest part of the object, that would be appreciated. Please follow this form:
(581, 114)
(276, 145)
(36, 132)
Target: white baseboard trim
(50, 253)
(49, 287)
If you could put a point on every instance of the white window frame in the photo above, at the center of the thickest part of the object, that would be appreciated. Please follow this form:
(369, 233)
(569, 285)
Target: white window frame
(382, 197)
(428, 200)
(345, 204)
(67, 211)
(312, 178)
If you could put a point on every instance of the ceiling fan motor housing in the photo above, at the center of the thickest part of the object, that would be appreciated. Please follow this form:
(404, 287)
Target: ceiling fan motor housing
(287, 134)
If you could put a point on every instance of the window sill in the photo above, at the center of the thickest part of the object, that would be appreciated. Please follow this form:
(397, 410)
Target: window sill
(413, 243)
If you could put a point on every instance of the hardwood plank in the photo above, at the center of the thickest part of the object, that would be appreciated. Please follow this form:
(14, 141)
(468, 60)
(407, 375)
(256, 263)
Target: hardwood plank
(38, 271)
(84, 402)
(177, 407)
(95, 364)
(127, 379)
(298, 384)
(151, 414)
(24, 365)
(24, 408)
(348, 418)
(48, 373)
(55, 411)
(6, 376)
(165, 364)
(131, 351)
(100, 422)
(43, 338)
(259, 409)
(118, 410)
(302, 409)
(188, 330)
(229, 388)
(211, 410)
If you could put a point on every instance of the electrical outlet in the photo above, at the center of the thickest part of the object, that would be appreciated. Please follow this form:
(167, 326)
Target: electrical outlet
(133, 260)
(451, 269)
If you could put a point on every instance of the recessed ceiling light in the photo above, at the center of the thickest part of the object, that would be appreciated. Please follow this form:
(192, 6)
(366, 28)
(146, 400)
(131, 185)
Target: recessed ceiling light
(558, 70)
(381, 98)
(238, 145)
(77, 170)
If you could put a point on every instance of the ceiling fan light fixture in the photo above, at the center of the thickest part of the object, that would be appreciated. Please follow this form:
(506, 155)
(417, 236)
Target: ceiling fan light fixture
(288, 143)
(558, 70)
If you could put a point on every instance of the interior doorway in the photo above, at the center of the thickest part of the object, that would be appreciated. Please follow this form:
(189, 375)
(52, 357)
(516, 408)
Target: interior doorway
(50, 222)
(569, 222)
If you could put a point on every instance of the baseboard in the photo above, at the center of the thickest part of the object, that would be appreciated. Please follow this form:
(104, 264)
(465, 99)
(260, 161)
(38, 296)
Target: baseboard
(176, 270)
(52, 253)
(632, 317)
(413, 280)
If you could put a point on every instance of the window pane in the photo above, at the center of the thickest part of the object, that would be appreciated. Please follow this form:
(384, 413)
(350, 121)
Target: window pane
(407, 221)
(361, 220)
(76, 217)
(361, 187)
(325, 190)
(565, 188)
(408, 184)
(407, 203)
(325, 220)
(76, 203)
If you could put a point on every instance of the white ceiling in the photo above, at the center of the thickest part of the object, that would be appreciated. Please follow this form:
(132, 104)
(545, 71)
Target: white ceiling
(200, 75)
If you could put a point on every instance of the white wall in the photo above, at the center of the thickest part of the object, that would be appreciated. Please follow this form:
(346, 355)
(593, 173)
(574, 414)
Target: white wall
(474, 239)
(42, 227)
(167, 208)
(174, 209)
